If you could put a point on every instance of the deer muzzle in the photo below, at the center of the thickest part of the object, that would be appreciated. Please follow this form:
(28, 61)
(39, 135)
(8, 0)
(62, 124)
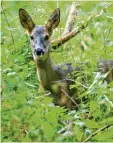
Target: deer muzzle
(39, 51)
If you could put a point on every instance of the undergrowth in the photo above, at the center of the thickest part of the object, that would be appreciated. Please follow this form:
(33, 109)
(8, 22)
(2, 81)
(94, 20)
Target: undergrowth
(27, 115)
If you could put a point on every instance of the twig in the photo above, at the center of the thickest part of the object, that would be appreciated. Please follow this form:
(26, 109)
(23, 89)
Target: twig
(8, 23)
(58, 42)
(103, 10)
(69, 97)
(99, 130)
(71, 19)
(71, 80)
(78, 83)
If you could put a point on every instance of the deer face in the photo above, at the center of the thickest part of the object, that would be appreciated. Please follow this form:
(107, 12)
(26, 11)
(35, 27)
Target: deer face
(39, 35)
(40, 42)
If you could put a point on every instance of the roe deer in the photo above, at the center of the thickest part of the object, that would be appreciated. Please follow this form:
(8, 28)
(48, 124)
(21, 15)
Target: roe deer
(52, 77)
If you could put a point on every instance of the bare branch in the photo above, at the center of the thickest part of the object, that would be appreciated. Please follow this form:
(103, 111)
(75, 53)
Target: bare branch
(71, 19)
(58, 42)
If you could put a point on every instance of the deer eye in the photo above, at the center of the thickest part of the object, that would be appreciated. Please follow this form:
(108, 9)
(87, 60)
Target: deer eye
(31, 37)
(46, 37)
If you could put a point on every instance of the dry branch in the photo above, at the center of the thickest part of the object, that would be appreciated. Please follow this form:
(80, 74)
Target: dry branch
(58, 42)
(71, 18)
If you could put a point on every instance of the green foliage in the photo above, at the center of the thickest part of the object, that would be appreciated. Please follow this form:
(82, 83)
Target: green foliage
(27, 114)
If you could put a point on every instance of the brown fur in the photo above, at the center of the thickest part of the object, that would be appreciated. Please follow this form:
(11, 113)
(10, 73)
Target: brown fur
(52, 78)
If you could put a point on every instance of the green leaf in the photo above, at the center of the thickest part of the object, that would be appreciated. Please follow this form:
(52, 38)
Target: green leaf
(91, 124)
(104, 136)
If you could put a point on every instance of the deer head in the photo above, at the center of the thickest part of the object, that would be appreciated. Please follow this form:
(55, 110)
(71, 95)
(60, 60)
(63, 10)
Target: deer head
(39, 35)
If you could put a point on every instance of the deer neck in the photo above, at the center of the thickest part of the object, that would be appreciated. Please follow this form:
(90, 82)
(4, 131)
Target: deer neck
(46, 73)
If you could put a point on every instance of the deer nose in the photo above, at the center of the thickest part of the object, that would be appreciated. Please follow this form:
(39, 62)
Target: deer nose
(39, 51)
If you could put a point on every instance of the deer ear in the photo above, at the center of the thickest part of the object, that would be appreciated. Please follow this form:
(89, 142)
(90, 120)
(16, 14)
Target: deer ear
(53, 20)
(26, 20)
